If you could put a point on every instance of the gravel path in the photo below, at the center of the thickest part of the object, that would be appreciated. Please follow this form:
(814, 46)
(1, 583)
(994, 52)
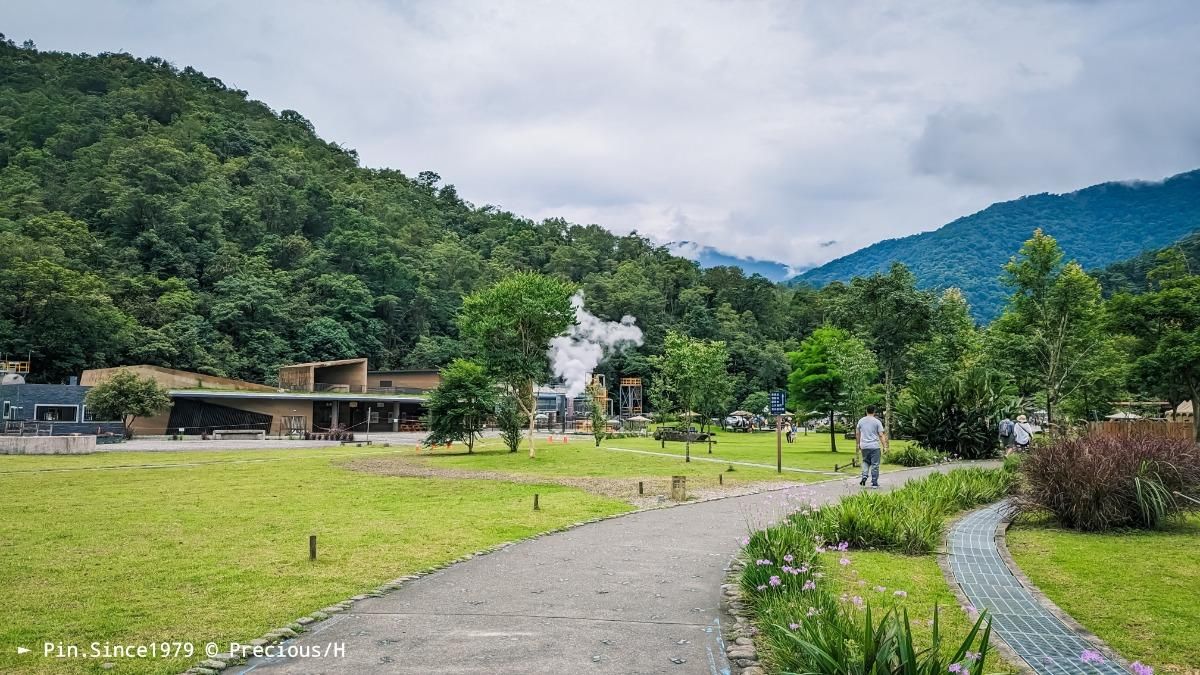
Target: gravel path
(635, 594)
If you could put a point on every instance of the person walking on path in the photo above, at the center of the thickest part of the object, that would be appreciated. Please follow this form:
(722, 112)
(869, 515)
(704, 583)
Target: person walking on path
(1022, 434)
(1006, 435)
(871, 440)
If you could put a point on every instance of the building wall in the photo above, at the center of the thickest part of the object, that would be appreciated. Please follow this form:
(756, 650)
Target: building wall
(276, 408)
(424, 380)
(23, 399)
(354, 375)
(173, 379)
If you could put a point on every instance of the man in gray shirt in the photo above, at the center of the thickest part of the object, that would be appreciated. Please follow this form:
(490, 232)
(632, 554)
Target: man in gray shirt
(870, 439)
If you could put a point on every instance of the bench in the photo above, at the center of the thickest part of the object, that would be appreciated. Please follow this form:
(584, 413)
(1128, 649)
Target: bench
(239, 434)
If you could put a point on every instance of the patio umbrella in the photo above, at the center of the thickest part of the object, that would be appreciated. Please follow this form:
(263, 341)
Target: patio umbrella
(741, 413)
(689, 414)
(639, 418)
(1124, 416)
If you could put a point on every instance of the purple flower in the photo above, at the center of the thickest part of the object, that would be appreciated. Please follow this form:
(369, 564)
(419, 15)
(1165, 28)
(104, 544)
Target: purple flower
(844, 561)
(809, 585)
(762, 563)
(793, 626)
(775, 581)
(745, 541)
(820, 549)
(857, 600)
(1091, 656)
(1140, 668)
(785, 568)
(813, 611)
(901, 594)
(880, 589)
(844, 546)
(971, 656)
(956, 668)
(788, 558)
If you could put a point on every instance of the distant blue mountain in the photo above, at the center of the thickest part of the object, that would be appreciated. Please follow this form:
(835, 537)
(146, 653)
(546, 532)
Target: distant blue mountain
(708, 256)
(1095, 226)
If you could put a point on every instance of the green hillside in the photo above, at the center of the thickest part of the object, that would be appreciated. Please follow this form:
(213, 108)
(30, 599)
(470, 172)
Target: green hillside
(150, 214)
(1096, 226)
(1130, 276)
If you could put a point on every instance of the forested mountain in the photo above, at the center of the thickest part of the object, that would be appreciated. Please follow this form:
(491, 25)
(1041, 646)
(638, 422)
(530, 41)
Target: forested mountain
(1095, 226)
(154, 215)
(1130, 276)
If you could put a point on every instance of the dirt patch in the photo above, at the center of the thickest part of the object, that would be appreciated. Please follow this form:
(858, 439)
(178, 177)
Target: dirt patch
(656, 488)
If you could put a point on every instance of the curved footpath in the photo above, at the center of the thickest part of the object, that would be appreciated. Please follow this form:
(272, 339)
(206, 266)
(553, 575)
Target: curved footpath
(634, 594)
(1031, 629)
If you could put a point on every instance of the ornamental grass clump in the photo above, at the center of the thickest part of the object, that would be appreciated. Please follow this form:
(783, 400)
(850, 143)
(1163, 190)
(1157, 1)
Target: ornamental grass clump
(1100, 483)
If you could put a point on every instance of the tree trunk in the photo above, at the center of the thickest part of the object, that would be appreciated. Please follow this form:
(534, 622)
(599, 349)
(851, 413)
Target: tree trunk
(1196, 416)
(531, 410)
(832, 433)
(887, 402)
(1049, 409)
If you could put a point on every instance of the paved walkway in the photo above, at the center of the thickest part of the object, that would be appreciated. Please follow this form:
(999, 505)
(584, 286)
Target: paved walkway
(636, 594)
(1045, 642)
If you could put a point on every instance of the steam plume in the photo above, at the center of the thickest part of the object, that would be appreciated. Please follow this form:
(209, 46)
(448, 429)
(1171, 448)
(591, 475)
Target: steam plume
(575, 355)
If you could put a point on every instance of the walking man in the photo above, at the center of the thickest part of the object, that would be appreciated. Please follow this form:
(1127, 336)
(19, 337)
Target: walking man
(871, 440)
(1006, 434)
(1022, 433)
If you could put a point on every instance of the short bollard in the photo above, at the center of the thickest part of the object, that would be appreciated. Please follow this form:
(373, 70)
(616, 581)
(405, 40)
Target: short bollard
(535, 503)
(312, 547)
(641, 488)
(678, 488)
(720, 479)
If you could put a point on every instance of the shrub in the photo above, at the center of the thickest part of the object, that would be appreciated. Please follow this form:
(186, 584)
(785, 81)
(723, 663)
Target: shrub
(1102, 482)
(957, 416)
(913, 455)
(911, 519)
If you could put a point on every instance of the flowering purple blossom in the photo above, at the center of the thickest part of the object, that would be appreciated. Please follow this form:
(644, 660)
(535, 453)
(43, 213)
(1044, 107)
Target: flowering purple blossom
(971, 656)
(844, 546)
(795, 571)
(1140, 668)
(844, 561)
(901, 594)
(774, 581)
(793, 626)
(809, 585)
(804, 567)
(813, 611)
(788, 558)
(762, 563)
(880, 589)
(1091, 656)
(745, 541)
(785, 568)
(820, 549)
(857, 600)
(956, 668)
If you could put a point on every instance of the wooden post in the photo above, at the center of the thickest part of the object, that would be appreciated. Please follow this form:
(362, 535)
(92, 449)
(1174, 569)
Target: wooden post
(535, 503)
(312, 547)
(779, 443)
(640, 488)
(720, 479)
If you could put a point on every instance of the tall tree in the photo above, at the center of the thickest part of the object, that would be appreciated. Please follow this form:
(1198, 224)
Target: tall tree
(510, 325)
(1053, 326)
(826, 362)
(1166, 325)
(126, 396)
(892, 316)
(461, 405)
(697, 371)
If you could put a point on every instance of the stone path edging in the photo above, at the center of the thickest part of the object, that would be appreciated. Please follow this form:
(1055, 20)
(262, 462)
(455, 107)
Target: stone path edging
(982, 573)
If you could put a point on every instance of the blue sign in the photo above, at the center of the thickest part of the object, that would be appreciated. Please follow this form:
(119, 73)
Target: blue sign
(778, 402)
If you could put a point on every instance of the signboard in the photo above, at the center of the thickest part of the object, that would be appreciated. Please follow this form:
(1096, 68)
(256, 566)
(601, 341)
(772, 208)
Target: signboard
(778, 402)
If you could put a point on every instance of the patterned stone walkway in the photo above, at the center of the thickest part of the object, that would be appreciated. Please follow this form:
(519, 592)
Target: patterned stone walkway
(1039, 637)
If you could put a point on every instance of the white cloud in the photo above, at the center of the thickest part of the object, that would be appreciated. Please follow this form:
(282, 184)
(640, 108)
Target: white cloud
(764, 129)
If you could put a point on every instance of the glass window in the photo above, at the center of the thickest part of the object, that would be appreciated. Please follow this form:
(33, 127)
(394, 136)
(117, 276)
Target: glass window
(56, 413)
(385, 383)
(7, 407)
(87, 414)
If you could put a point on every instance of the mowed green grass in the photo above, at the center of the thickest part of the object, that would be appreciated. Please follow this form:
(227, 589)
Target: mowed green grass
(1138, 591)
(219, 550)
(580, 457)
(922, 579)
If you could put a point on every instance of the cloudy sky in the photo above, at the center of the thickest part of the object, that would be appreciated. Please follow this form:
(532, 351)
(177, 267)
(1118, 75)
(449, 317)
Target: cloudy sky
(794, 131)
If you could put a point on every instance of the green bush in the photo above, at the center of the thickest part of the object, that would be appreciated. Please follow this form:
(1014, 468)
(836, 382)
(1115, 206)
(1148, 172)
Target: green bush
(913, 455)
(957, 416)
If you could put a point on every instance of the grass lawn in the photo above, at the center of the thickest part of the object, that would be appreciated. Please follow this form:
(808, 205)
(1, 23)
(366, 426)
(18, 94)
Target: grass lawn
(218, 550)
(919, 577)
(1138, 591)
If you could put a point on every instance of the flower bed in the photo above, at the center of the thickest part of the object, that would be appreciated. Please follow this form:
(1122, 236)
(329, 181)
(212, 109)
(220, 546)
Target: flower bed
(806, 623)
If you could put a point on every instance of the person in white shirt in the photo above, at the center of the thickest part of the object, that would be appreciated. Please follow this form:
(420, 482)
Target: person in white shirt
(1022, 433)
(871, 440)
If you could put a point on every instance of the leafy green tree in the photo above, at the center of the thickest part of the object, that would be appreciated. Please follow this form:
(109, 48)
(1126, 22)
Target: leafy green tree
(697, 372)
(954, 343)
(126, 396)
(1052, 331)
(1165, 323)
(511, 421)
(829, 364)
(511, 324)
(597, 415)
(461, 405)
(756, 402)
(892, 316)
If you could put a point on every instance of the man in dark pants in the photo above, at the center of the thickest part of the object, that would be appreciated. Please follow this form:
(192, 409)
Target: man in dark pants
(871, 440)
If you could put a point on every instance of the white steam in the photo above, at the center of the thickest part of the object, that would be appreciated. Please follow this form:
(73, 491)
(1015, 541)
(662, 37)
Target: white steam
(576, 354)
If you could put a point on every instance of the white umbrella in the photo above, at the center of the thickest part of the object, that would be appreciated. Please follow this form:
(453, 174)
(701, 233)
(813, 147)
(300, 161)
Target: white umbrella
(1124, 416)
